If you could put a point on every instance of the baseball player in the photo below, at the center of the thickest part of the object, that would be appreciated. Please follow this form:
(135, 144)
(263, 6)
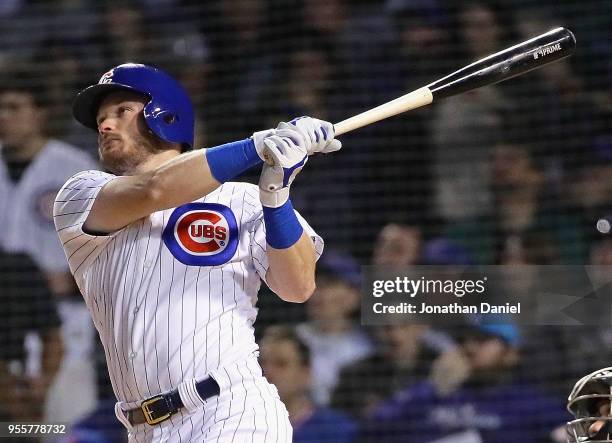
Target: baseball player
(590, 402)
(169, 255)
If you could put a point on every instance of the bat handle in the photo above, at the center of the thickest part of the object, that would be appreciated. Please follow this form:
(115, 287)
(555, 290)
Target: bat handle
(412, 100)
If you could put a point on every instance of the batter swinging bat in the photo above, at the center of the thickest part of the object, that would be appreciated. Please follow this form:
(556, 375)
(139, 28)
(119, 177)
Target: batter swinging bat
(516, 60)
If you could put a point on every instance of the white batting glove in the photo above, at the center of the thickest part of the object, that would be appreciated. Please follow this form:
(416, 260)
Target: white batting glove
(258, 138)
(318, 133)
(289, 156)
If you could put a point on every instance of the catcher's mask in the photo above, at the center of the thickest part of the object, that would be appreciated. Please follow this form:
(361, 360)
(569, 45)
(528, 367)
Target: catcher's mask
(590, 393)
(168, 112)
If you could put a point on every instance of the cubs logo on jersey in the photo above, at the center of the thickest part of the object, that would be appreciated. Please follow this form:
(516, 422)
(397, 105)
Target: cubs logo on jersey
(202, 234)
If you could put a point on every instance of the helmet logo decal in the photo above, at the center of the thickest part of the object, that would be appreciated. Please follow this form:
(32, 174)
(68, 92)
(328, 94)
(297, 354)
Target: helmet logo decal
(202, 234)
(107, 77)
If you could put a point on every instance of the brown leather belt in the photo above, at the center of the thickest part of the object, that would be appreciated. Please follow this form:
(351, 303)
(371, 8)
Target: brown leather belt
(160, 408)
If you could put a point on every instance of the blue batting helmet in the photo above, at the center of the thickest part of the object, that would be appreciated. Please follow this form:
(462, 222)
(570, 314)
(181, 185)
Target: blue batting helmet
(168, 113)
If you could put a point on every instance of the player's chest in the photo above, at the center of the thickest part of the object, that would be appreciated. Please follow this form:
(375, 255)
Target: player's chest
(201, 233)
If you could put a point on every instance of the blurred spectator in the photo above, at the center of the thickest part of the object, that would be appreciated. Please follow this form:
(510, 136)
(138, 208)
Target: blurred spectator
(472, 396)
(464, 128)
(243, 62)
(65, 64)
(404, 354)
(326, 17)
(126, 36)
(331, 332)
(22, 29)
(557, 102)
(25, 26)
(9, 7)
(441, 251)
(391, 161)
(33, 167)
(397, 245)
(558, 355)
(27, 306)
(285, 360)
(522, 204)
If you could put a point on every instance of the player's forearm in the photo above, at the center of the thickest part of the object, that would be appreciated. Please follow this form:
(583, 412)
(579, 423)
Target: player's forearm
(179, 180)
(191, 176)
(183, 179)
(291, 272)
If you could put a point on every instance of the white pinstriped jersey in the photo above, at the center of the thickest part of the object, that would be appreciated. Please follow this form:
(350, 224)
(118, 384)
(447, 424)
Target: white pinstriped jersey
(173, 294)
(26, 206)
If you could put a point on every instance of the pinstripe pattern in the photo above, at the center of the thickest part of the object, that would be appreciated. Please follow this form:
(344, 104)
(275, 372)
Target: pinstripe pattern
(162, 322)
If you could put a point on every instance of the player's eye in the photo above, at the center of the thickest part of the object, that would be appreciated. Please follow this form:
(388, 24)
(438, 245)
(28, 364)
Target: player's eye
(123, 110)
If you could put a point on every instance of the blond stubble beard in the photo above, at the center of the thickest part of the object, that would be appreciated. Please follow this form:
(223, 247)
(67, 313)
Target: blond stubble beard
(127, 163)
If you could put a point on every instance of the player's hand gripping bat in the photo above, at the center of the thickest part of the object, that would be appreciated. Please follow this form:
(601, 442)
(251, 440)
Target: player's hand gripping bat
(516, 60)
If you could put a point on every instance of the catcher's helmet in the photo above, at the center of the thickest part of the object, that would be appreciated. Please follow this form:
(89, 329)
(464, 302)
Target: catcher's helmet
(168, 113)
(589, 394)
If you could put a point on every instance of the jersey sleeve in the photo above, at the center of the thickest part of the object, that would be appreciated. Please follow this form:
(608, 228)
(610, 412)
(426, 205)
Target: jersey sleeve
(70, 210)
(258, 243)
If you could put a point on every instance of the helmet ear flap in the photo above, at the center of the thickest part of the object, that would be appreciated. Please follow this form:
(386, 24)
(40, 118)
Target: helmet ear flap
(160, 120)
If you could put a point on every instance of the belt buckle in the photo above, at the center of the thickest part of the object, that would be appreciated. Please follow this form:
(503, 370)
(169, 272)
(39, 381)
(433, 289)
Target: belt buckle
(149, 413)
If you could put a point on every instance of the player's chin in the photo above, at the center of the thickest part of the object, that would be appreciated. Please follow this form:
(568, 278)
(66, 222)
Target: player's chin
(115, 161)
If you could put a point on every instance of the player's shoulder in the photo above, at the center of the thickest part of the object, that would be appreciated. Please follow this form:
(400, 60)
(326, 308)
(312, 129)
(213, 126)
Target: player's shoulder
(68, 155)
(84, 179)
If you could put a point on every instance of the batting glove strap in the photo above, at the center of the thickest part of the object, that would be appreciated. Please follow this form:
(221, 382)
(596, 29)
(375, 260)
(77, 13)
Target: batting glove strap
(232, 159)
(283, 229)
(273, 199)
(275, 181)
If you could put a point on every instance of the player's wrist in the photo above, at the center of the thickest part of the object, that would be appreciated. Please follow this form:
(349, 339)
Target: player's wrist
(283, 228)
(232, 159)
(273, 199)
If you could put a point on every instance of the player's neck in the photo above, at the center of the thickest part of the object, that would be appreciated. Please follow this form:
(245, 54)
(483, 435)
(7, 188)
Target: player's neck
(26, 150)
(155, 160)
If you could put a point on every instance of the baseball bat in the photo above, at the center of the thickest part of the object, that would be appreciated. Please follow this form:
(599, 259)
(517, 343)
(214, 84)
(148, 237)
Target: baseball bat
(553, 45)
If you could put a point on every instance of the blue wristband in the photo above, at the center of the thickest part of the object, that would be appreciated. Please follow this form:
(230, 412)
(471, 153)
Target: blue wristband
(282, 226)
(232, 159)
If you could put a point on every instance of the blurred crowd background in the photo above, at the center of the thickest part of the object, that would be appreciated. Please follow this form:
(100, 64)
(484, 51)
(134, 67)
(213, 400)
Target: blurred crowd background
(511, 174)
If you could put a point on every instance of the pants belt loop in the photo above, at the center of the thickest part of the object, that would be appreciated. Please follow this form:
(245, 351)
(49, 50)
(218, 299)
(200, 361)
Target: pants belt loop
(121, 416)
(189, 395)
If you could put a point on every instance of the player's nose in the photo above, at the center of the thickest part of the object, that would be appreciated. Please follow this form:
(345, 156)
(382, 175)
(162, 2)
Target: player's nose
(106, 125)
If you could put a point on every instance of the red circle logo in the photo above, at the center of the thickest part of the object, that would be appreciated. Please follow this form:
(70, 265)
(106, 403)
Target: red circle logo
(202, 232)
